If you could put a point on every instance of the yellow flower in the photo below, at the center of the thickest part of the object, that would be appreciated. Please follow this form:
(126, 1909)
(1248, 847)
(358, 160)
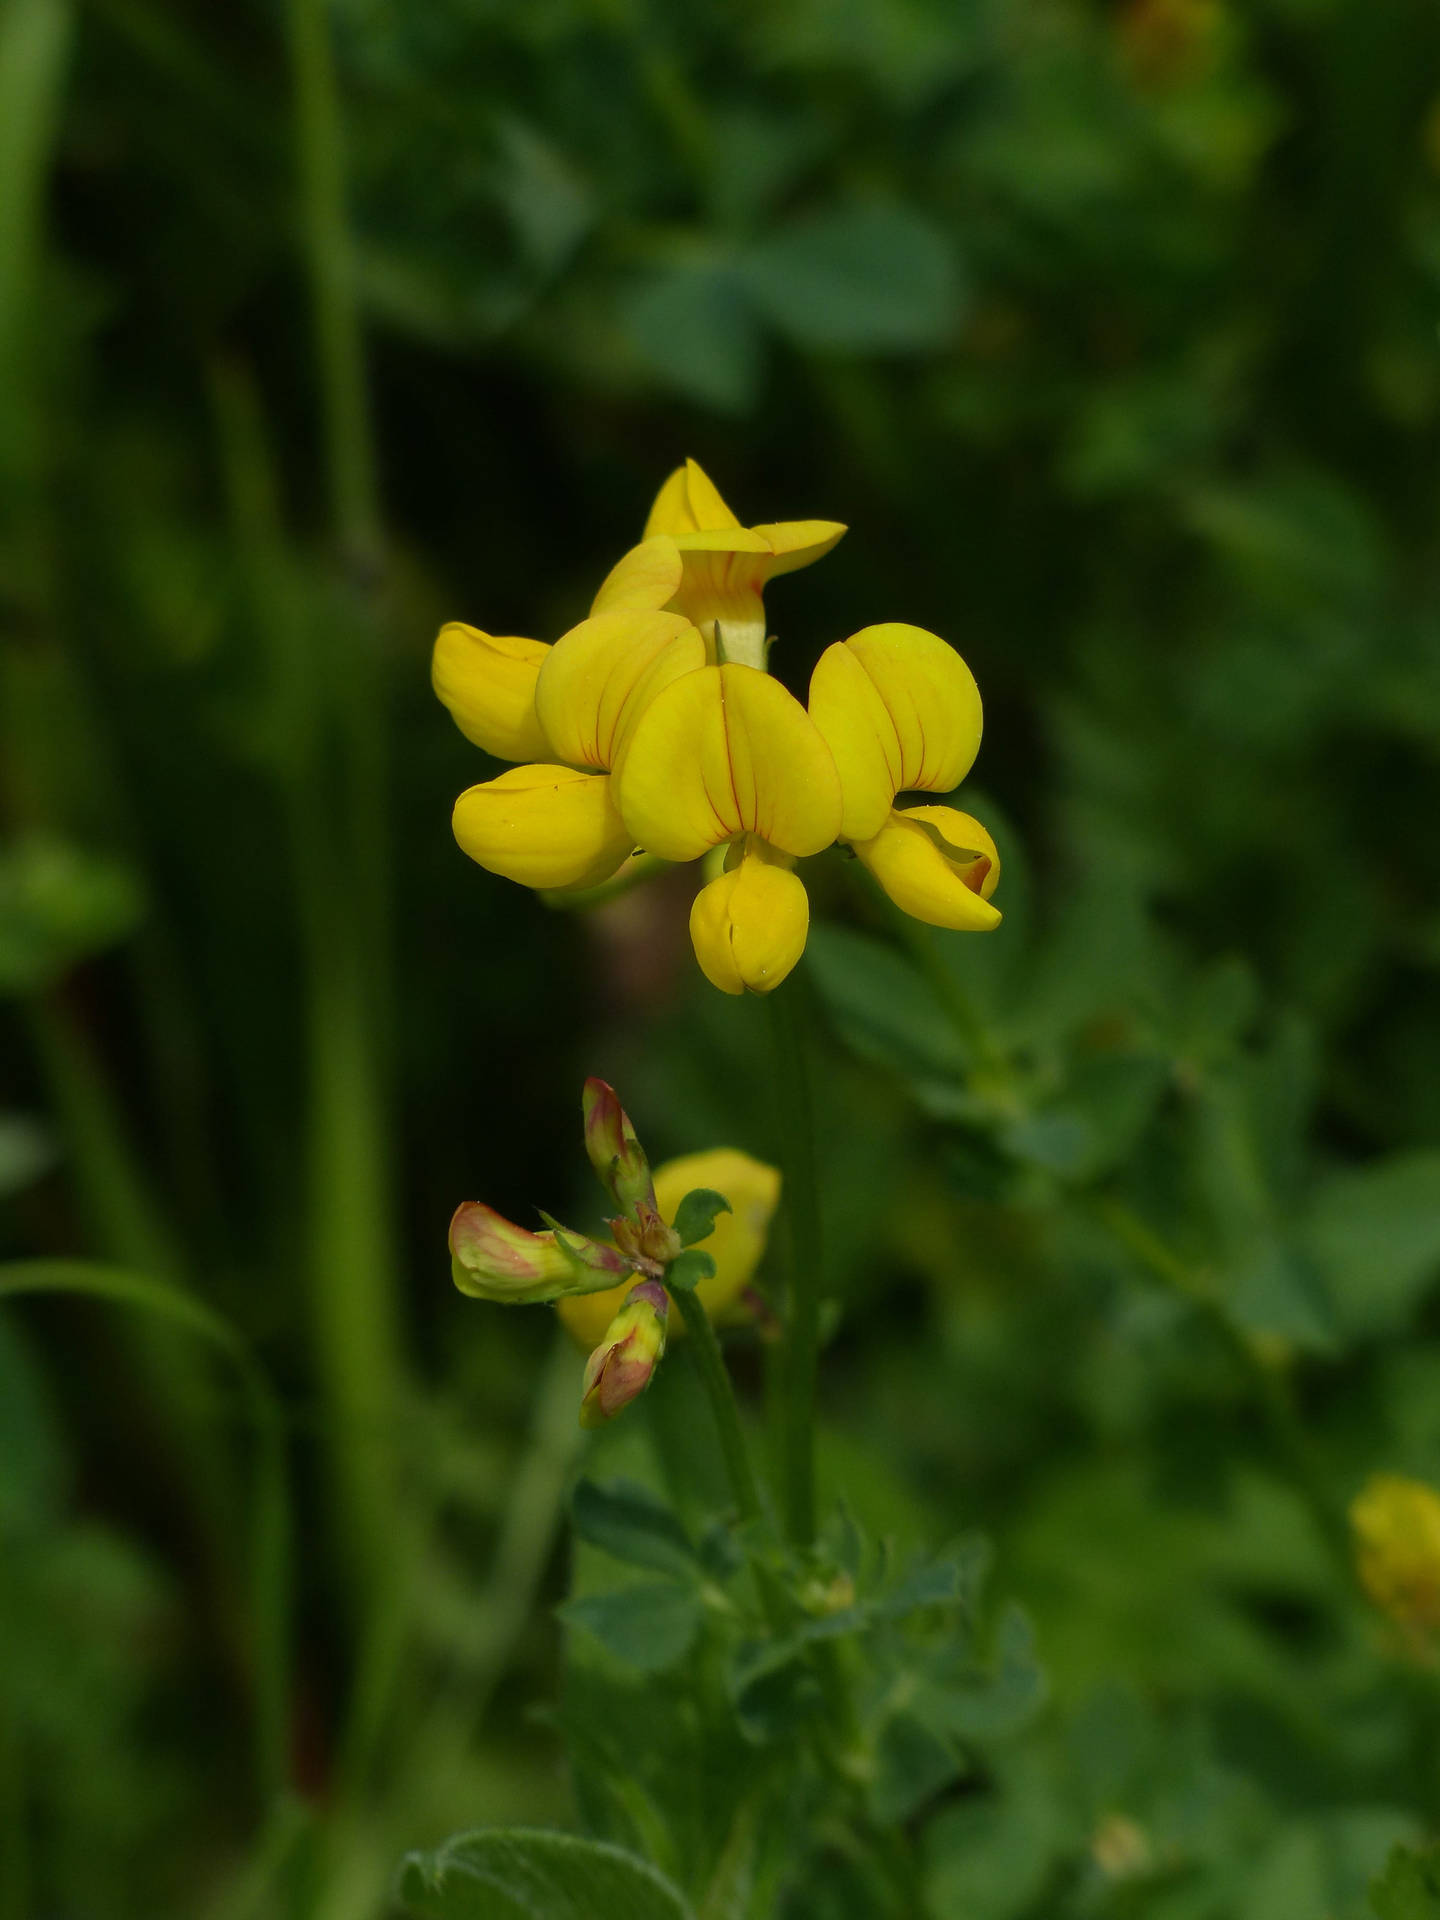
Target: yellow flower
(701, 562)
(938, 865)
(555, 824)
(654, 725)
(488, 683)
(1396, 1523)
(726, 754)
(738, 1241)
(748, 926)
(900, 712)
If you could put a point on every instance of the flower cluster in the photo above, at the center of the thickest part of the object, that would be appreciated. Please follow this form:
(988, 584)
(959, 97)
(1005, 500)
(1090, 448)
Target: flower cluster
(614, 1295)
(655, 725)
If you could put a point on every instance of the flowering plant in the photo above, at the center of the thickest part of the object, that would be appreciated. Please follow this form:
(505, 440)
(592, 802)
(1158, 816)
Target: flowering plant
(654, 729)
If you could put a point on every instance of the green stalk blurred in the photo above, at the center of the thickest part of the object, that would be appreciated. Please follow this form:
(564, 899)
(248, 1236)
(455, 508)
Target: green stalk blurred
(341, 873)
(349, 1255)
(800, 1202)
(269, 1521)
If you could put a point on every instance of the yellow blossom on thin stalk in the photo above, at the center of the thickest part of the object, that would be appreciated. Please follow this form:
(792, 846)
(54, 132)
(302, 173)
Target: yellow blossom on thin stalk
(1396, 1523)
(655, 726)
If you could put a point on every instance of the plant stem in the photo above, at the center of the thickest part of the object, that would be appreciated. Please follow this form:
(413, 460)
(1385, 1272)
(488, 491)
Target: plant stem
(715, 1378)
(801, 1199)
(342, 869)
(339, 343)
(15, 1888)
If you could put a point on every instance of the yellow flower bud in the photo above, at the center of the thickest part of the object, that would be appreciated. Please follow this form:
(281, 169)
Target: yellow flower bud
(1396, 1523)
(748, 926)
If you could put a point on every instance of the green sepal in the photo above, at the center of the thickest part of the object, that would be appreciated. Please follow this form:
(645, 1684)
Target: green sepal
(695, 1215)
(687, 1270)
(589, 1277)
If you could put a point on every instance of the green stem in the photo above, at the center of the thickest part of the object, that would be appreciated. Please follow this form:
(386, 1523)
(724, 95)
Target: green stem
(715, 1378)
(15, 1886)
(801, 1201)
(270, 1521)
(329, 255)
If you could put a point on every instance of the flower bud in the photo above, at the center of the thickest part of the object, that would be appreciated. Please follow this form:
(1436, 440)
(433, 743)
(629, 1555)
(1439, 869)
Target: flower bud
(748, 926)
(493, 1259)
(620, 1368)
(1397, 1542)
(614, 1151)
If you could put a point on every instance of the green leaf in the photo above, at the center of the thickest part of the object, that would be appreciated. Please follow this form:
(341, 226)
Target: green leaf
(868, 278)
(687, 1270)
(951, 1579)
(882, 1007)
(912, 1765)
(1096, 1122)
(695, 1216)
(648, 1626)
(694, 329)
(773, 1689)
(970, 1702)
(1409, 1888)
(629, 1523)
(528, 1874)
(1375, 1234)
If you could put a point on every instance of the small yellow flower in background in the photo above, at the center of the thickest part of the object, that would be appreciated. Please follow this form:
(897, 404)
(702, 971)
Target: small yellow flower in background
(614, 1296)
(1396, 1523)
(655, 727)
(736, 1245)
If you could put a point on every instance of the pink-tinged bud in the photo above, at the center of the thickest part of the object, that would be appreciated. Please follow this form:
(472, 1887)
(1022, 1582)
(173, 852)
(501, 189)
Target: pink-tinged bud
(614, 1151)
(493, 1259)
(621, 1367)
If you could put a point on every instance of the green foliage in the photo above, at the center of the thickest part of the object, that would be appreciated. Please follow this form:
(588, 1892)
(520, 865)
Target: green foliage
(533, 1876)
(1409, 1888)
(696, 1215)
(1110, 331)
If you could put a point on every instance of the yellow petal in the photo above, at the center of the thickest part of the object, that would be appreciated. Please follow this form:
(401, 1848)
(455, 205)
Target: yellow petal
(543, 826)
(938, 865)
(748, 927)
(900, 711)
(643, 579)
(797, 543)
(488, 683)
(736, 1245)
(598, 677)
(689, 502)
(723, 751)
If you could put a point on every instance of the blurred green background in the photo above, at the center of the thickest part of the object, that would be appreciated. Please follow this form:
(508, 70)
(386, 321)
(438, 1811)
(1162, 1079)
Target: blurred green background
(1111, 331)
